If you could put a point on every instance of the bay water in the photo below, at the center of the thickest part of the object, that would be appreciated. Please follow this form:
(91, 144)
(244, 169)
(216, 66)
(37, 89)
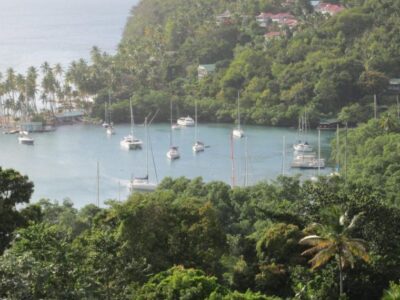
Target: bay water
(63, 164)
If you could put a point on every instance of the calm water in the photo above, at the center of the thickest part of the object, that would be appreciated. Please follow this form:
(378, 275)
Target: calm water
(64, 163)
(34, 31)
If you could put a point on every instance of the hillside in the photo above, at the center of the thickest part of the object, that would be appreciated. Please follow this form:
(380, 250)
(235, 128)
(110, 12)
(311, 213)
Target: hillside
(322, 62)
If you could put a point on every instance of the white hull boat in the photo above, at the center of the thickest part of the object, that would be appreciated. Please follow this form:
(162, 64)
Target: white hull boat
(110, 130)
(142, 185)
(25, 139)
(198, 147)
(173, 153)
(131, 143)
(238, 133)
(187, 121)
(302, 147)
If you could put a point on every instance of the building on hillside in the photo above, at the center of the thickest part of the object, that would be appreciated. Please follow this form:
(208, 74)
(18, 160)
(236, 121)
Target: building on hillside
(264, 19)
(394, 86)
(205, 70)
(224, 18)
(329, 124)
(329, 8)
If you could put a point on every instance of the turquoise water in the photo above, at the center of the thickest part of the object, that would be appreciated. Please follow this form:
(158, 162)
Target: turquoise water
(64, 163)
(58, 31)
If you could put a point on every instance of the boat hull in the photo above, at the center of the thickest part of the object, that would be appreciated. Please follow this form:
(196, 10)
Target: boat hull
(198, 147)
(302, 147)
(238, 133)
(187, 122)
(131, 146)
(26, 141)
(173, 154)
(143, 186)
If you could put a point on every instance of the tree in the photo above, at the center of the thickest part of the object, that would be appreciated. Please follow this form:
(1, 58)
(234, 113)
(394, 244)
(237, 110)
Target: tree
(393, 293)
(335, 242)
(14, 189)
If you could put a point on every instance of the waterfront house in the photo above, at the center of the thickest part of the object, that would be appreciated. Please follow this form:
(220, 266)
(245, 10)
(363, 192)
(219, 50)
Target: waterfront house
(32, 126)
(205, 70)
(68, 117)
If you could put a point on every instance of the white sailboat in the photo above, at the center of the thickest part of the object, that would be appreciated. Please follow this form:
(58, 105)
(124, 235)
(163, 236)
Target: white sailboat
(110, 128)
(105, 123)
(303, 145)
(198, 145)
(142, 183)
(130, 142)
(24, 137)
(238, 131)
(308, 160)
(173, 152)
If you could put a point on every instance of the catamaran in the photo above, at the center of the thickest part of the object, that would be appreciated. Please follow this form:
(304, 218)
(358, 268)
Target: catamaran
(130, 141)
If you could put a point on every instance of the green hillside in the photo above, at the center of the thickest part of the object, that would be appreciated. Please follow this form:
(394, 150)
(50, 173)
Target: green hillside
(323, 64)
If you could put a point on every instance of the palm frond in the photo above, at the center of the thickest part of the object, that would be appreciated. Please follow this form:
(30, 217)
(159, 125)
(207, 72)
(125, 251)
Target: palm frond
(311, 240)
(358, 250)
(318, 247)
(355, 219)
(322, 257)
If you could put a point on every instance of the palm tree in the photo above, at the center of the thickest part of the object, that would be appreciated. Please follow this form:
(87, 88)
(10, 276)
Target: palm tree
(336, 243)
(31, 87)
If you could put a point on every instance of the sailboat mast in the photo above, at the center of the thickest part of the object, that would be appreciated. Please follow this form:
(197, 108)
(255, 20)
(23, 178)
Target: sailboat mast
(132, 121)
(98, 184)
(337, 148)
(246, 164)
(109, 105)
(238, 109)
(283, 155)
(105, 112)
(147, 147)
(319, 151)
(170, 127)
(233, 163)
(195, 121)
